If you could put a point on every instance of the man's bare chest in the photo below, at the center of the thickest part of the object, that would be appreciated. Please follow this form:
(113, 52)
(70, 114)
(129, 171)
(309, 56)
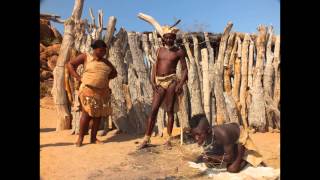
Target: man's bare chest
(168, 57)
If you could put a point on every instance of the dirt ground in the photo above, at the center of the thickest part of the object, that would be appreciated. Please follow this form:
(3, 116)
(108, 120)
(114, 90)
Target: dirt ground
(117, 157)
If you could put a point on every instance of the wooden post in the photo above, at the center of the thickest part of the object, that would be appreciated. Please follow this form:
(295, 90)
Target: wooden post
(206, 85)
(197, 56)
(237, 75)
(222, 114)
(257, 116)
(193, 82)
(116, 56)
(139, 84)
(110, 30)
(276, 91)
(58, 90)
(250, 66)
(212, 117)
(230, 55)
(227, 70)
(244, 80)
(184, 108)
(268, 79)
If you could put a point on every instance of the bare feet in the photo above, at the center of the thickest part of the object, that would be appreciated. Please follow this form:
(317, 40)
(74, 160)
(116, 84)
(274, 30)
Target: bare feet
(143, 145)
(79, 142)
(96, 141)
(168, 145)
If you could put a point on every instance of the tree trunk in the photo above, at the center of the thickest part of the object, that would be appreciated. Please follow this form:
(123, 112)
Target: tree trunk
(237, 75)
(197, 56)
(268, 77)
(231, 108)
(206, 85)
(211, 77)
(227, 72)
(58, 90)
(222, 114)
(184, 108)
(257, 116)
(110, 30)
(244, 80)
(117, 53)
(230, 55)
(139, 84)
(147, 52)
(276, 91)
(193, 82)
(250, 66)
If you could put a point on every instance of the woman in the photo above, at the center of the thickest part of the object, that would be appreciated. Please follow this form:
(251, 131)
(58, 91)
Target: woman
(94, 91)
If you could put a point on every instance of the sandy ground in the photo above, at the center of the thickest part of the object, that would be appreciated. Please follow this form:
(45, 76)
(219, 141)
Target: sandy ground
(117, 158)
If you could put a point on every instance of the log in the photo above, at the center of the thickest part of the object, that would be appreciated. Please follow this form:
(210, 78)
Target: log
(140, 86)
(211, 77)
(96, 30)
(257, 116)
(116, 56)
(76, 113)
(194, 85)
(227, 70)
(206, 82)
(100, 23)
(250, 74)
(231, 108)
(237, 75)
(58, 91)
(276, 91)
(67, 85)
(232, 59)
(254, 36)
(157, 41)
(229, 49)
(110, 30)
(80, 36)
(222, 114)
(197, 56)
(230, 55)
(153, 46)
(184, 109)
(268, 77)
(276, 63)
(147, 53)
(250, 65)
(244, 80)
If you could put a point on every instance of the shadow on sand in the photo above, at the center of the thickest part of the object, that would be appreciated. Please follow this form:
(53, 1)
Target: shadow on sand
(47, 129)
(56, 144)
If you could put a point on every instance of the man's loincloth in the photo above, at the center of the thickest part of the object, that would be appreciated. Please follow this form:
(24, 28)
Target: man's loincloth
(252, 154)
(164, 82)
(94, 101)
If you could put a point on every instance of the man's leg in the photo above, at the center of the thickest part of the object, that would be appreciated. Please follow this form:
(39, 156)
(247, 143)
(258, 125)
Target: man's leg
(94, 130)
(170, 98)
(156, 102)
(84, 125)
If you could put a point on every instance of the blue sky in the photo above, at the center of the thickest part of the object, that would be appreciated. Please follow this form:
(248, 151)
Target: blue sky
(210, 15)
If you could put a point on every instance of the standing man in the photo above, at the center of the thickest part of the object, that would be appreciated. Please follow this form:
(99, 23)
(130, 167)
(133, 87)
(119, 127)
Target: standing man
(166, 86)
